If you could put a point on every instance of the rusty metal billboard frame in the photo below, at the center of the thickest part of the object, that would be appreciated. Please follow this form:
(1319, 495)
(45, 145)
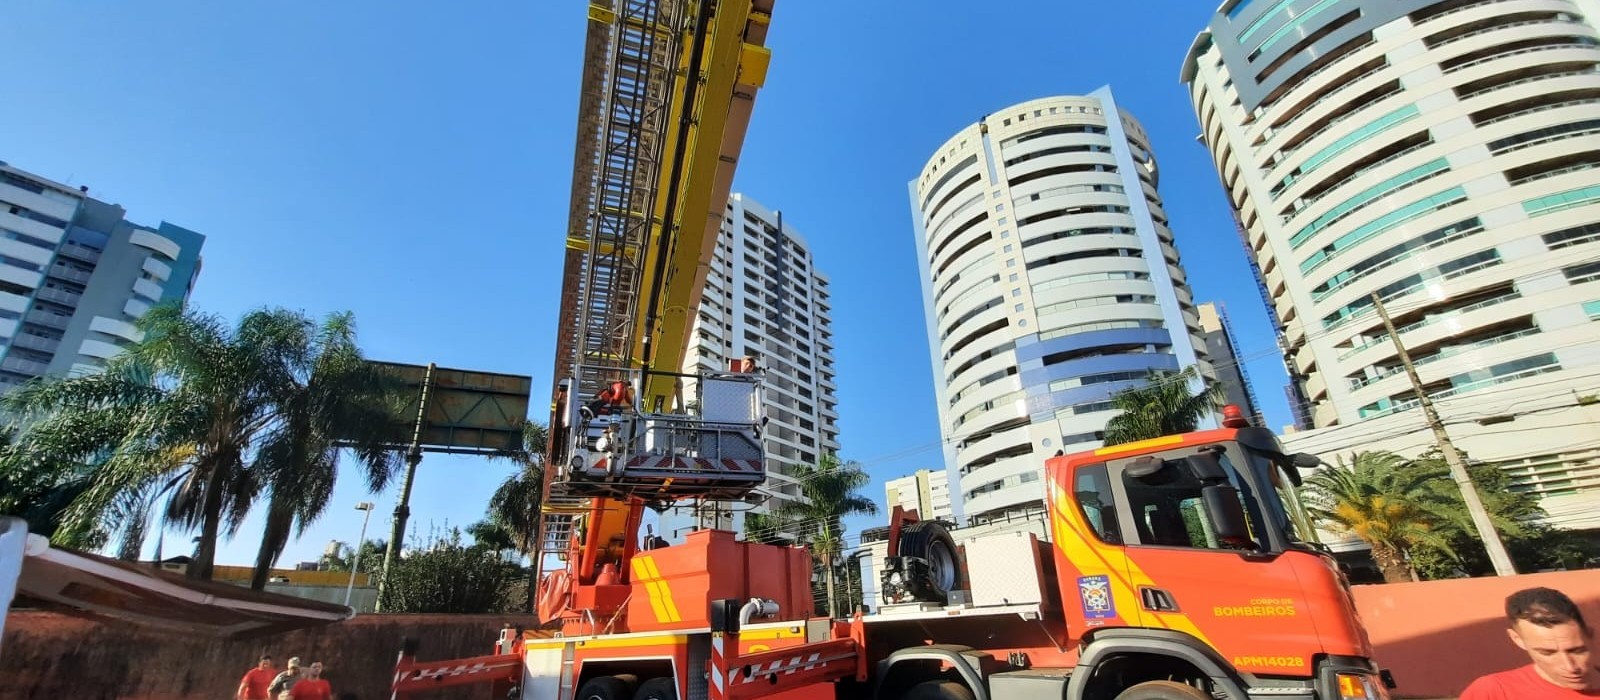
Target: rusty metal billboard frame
(455, 411)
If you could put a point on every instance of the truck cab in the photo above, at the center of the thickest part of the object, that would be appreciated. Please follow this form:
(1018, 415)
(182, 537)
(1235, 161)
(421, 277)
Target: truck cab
(1191, 556)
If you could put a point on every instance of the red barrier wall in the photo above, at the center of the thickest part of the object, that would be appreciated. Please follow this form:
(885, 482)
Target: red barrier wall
(1437, 636)
(47, 655)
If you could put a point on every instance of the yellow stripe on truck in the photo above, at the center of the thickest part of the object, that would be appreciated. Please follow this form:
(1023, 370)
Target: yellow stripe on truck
(1073, 538)
(1140, 445)
(641, 575)
(664, 589)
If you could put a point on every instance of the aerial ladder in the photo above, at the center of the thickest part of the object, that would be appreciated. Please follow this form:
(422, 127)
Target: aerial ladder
(668, 88)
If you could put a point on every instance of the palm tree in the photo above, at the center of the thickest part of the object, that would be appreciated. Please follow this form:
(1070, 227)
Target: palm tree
(1163, 406)
(1387, 502)
(514, 507)
(830, 493)
(339, 400)
(208, 417)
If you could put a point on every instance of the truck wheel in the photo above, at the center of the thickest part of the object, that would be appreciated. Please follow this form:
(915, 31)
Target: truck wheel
(657, 689)
(604, 688)
(929, 541)
(938, 690)
(1163, 690)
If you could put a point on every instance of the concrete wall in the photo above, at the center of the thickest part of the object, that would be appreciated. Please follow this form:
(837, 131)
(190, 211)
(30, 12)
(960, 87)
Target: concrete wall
(47, 655)
(1437, 636)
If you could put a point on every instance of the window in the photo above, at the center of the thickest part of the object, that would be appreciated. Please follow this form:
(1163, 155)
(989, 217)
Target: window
(1385, 223)
(1292, 25)
(1361, 199)
(1168, 510)
(1378, 126)
(1561, 201)
(1573, 236)
(1091, 488)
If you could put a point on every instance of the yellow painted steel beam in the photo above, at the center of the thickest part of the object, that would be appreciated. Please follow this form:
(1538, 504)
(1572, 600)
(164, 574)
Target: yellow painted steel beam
(733, 66)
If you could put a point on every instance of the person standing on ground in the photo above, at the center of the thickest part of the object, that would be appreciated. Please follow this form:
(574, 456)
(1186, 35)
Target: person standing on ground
(254, 684)
(1548, 625)
(313, 686)
(279, 690)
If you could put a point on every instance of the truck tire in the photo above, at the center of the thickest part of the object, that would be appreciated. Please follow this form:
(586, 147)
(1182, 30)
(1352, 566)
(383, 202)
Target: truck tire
(1163, 690)
(929, 541)
(938, 690)
(604, 688)
(657, 689)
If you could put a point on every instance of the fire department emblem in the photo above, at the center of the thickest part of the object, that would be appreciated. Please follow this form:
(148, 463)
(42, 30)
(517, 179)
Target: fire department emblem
(1095, 593)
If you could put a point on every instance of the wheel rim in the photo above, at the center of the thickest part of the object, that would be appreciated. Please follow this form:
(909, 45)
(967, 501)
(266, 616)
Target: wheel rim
(942, 566)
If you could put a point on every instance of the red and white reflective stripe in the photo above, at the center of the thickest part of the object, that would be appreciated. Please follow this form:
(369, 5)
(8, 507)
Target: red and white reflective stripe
(663, 463)
(719, 668)
(447, 671)
(792, 665)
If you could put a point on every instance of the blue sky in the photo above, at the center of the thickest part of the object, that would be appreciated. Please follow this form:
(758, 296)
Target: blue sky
(410, 161)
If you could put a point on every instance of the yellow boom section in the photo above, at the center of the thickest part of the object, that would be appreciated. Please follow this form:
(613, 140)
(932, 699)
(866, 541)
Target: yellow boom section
(723, 65)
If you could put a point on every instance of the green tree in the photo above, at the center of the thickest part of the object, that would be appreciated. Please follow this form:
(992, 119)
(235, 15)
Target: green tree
(345, 559)
(1380, 498)
(514, 506)
(766, 528)
(335, 399)
(447, 576)
(207, 417)
(1517, 515)
(490, 535)
(831, 490)
(1163, 406)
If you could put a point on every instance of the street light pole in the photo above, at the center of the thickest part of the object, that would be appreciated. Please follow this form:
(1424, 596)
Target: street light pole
(355, 561)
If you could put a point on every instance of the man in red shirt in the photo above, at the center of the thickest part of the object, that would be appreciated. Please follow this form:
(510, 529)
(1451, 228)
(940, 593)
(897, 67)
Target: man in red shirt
(1548, 625)
(254, 684)
(313, 686)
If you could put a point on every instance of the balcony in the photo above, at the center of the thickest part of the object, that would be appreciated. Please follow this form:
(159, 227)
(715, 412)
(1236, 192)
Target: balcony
(69, 274)
(80, 252)
(59, 296)
(35, 342)
(21, 366)
(48, 319)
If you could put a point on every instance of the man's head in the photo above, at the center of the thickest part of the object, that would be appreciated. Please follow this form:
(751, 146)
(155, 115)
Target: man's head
(294, 663)
(265, 661)
(1547, 624)
(315, 671)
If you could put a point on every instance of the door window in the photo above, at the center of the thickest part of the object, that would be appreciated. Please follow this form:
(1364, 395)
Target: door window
(1092, 489)
(1169, 511)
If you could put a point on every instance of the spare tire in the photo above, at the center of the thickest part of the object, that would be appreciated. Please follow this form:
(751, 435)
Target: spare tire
(930, 542)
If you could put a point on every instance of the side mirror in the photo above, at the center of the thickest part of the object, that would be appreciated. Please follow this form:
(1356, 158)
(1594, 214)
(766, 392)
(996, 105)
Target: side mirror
(1143, 466)
(1226, 515)
(1302, 460)
(1205, 467)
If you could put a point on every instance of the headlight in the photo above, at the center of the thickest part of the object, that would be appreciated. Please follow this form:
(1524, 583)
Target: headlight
(1361, 686)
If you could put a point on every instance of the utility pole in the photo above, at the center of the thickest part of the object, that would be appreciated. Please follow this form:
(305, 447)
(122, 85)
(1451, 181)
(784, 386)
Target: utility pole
(1458, 470)
(402, 509)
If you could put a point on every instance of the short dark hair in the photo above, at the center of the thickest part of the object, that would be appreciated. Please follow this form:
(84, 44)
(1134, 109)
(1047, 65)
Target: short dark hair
(1545, 607)
(265, 657)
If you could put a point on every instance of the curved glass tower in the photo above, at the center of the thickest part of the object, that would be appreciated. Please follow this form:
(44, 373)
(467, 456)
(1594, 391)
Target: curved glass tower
(1050, 282)
(1441, 155)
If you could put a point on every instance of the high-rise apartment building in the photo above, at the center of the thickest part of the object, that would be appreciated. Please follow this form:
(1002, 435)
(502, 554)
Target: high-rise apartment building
(1441, 156)
(926, 491)
(765, 298)
(75, 276)
(1232, 378)
(1050, 282)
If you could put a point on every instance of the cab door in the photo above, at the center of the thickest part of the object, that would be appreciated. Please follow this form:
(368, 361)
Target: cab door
(1240, 598)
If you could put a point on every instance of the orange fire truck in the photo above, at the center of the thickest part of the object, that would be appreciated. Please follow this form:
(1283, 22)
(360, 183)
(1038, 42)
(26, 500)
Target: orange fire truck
(1178, 567)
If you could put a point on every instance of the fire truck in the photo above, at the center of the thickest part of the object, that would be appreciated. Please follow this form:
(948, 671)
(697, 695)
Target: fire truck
(1178, 567)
